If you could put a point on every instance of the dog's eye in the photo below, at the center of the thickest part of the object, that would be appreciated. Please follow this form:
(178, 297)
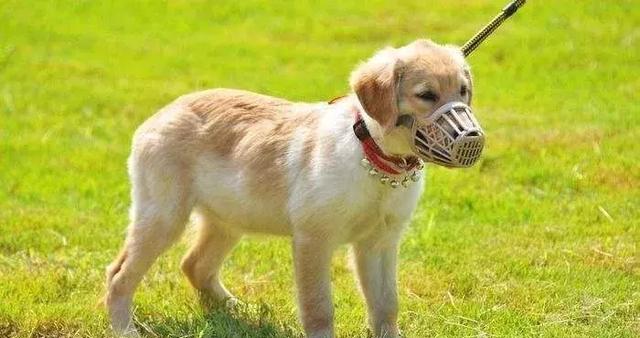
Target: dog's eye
(463, 91)
(428, 96)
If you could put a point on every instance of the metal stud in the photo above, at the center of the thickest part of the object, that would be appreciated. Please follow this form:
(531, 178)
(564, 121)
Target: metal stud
(384, 179)
(394, 184)
(365, 164)
(373, 172)
(415, 176)
(405, 182)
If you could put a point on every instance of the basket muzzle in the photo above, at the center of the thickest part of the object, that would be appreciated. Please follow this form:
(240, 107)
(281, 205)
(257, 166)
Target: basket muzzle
(451, 136)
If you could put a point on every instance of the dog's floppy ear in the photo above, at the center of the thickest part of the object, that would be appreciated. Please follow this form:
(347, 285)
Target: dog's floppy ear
(375, 84)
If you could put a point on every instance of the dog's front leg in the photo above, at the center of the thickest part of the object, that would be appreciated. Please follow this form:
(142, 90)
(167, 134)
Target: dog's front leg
(312, 260)
(376, 266)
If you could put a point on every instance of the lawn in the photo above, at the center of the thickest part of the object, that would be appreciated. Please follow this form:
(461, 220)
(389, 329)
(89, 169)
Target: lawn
(541, 238)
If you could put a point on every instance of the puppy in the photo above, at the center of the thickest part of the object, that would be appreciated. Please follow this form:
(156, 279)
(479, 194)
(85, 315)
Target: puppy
(326, 174)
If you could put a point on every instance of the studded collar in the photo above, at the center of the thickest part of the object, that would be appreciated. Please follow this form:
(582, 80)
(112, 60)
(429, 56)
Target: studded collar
(392, 170)
(391, 165)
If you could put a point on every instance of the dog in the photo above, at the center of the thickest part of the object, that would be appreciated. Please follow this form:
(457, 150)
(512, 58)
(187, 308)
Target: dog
(326, 174)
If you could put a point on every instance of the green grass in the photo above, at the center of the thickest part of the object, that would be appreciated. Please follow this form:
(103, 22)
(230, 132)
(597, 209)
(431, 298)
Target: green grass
(540, 239)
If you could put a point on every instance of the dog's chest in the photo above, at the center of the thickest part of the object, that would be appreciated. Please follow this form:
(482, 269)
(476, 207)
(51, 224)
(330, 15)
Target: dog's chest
(382, 211)
(354, 205)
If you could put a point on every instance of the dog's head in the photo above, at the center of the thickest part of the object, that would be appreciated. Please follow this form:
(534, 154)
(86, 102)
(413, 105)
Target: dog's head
(416, 81)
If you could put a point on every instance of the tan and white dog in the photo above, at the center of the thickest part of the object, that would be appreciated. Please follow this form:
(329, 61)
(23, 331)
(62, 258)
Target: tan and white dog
(249, 163)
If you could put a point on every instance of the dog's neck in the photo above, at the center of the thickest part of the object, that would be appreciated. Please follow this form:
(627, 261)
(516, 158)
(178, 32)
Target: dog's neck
(394, 142)
(376, 145)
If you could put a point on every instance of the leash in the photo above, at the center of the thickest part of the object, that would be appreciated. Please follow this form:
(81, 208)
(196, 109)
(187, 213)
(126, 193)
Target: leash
(477, 39)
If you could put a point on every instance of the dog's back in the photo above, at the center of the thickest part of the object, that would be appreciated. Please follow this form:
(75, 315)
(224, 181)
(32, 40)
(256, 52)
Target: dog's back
(222, 118)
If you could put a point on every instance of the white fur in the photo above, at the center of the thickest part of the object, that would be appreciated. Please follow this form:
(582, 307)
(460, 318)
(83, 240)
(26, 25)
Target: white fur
(336, 202)
(210, 152)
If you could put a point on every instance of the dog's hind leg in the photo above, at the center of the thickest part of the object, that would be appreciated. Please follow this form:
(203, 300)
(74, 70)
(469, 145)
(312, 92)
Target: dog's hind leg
(161, 207)
(202, 263)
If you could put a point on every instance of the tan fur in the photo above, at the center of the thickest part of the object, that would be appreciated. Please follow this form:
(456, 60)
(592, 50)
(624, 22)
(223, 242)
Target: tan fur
(115, 267)
(244, 162)
(202, 263)
(255, 119)
(387, 84)
(374, 82)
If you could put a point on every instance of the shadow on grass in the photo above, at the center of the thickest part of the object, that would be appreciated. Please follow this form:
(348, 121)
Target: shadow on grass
(45, 328)
(8, 328)
(253, 320)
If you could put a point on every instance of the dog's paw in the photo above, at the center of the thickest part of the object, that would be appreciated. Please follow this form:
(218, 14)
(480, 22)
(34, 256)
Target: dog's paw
(129, 332)
(213, 302)
(232, 303)
(388, 331)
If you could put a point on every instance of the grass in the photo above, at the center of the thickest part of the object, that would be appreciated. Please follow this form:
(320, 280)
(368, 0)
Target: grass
(540, 239)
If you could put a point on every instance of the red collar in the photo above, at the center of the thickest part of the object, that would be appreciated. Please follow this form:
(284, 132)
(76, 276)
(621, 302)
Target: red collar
(391, 165)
